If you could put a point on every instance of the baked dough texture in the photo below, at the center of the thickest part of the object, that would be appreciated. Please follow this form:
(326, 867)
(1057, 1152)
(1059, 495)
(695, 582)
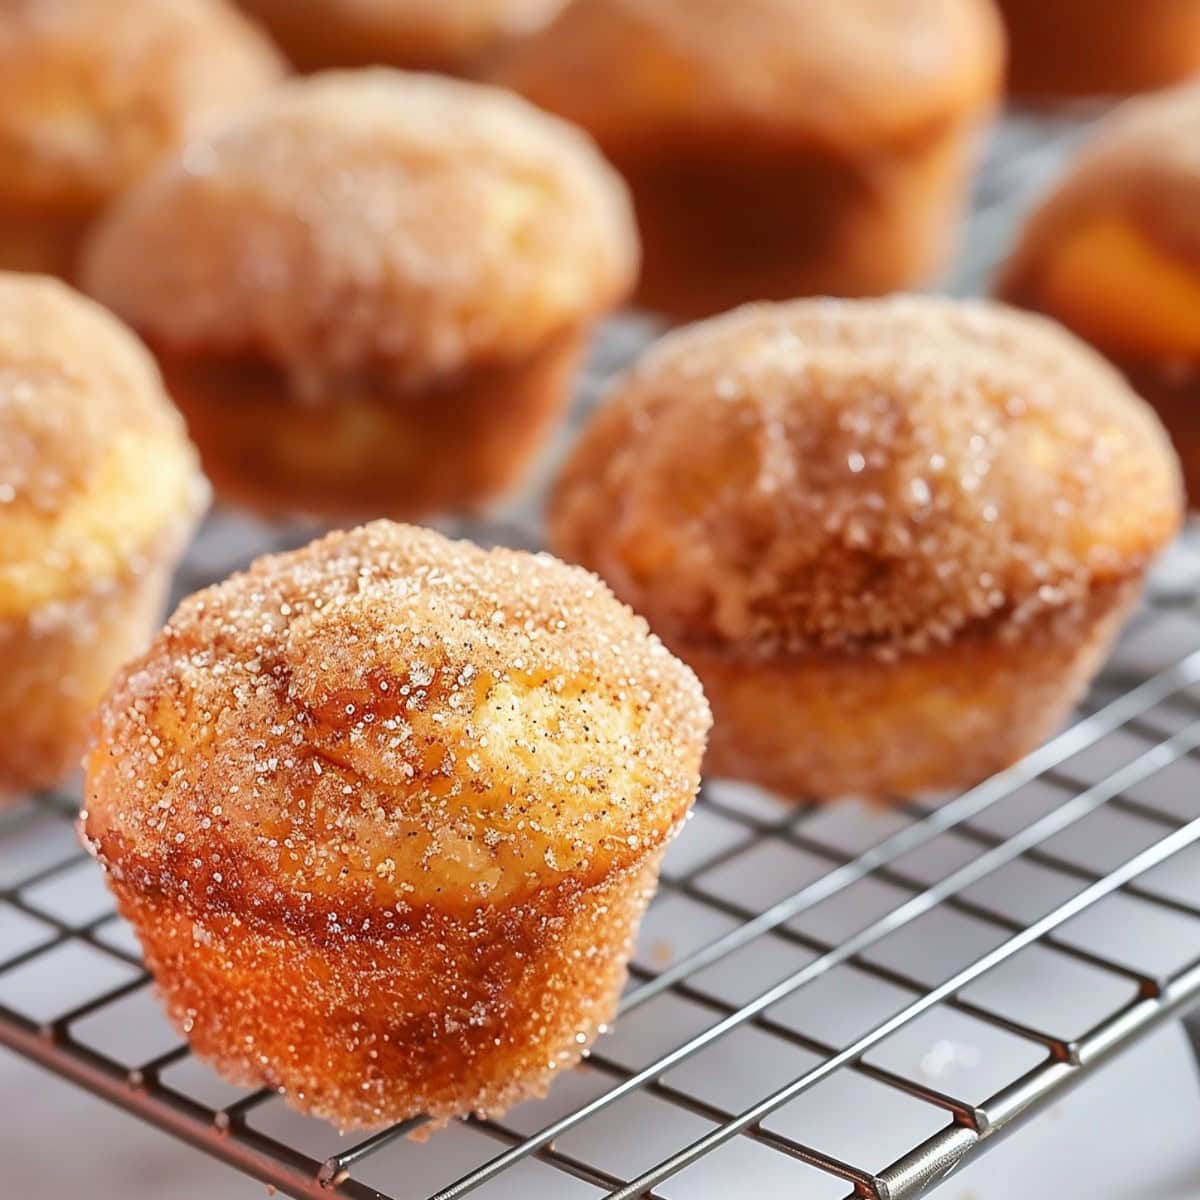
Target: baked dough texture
(99, 490)
(894, 538)
(776, 148)
(1113, 252)
(385, 813)
(94, 93)
(368, 294)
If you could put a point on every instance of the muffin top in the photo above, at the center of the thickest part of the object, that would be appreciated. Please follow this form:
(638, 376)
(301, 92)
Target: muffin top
(94, 463)
(1143, 164)
(371, 220)
(389, 717)
(873, 475)
(94, 92)
(405, 31)
(847, 74)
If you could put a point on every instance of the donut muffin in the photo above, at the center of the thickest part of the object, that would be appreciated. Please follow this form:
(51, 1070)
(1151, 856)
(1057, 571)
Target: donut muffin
(1100, 47)
(95, 92)
(776, 148)
(1114, 253)
(460, 36)
(894, 538)
(99, 489)
(371, 297)
(385, 813)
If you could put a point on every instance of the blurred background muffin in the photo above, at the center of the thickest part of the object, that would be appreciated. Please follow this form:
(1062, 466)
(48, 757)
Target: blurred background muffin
(444, 35)
(371, 298)
(1114, 253)
(777, 147)
(95, 92)
(1100, 47)
(99, 491)
(894, 538)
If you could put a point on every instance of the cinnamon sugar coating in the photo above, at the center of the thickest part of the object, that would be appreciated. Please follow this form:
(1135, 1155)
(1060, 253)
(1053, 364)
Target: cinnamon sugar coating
(850, 74)
(446, 773)
(94, 92)
(825, 482)
(872, 475)
(453, 35)
(99, 489)
(369, 295)
(373, 219)
(93, 458)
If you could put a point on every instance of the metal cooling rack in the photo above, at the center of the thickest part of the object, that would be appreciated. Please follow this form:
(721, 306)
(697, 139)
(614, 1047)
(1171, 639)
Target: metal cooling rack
(829, 1001)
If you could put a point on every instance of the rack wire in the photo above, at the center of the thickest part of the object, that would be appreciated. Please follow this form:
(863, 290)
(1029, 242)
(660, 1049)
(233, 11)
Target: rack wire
(832, 1000)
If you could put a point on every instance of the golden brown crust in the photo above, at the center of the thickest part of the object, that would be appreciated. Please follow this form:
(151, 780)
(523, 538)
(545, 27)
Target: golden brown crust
(94, 92)
(1094, 47)
(442, 34)
(725, 219)
(1114, 253)
(95, 469)
(385, 813)
(776, 148)
(40, 241)
(59, 661)
(99, 488)
(846, 76)
(371, 219)
(832, 725)
(370, 448)
(387, 718)
(384, 1015)
(1143, 166)
(1174, 392)
(877, 476)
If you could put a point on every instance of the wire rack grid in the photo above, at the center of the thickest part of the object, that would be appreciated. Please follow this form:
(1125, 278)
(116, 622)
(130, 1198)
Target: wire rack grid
(832, 1001)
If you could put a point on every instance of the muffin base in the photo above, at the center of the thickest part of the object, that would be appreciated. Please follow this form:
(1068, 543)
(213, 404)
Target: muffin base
(57, 665)
(384, 1015)
(834, 725)
(1096, 47)
(731, 221)
(44, 243)
(366, 448)
(1175, 396)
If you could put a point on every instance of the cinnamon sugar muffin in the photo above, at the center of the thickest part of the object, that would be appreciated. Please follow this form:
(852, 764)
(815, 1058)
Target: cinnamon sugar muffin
(894, 538)
(1100, 47)
(443, 35)
(95, 92)
(98, 491)
(1114, 253)
(370, 294)
(776, 148)
(385, 813)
